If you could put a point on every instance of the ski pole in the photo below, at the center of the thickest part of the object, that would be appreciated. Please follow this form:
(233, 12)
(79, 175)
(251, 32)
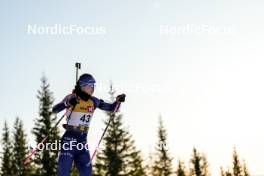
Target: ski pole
(108, 123)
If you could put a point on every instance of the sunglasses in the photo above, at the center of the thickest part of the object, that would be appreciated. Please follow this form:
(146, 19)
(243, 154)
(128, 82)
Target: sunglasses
(89, 85)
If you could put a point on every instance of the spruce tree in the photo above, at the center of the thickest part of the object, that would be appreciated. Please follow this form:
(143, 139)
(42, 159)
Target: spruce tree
(205, 166)
(199, 164)
(6, 155)
(20, 150)
(46, 160)
(118, 156)
(237, 169)
(228, 173)
(196, 168)
(225, 173)
(180, 169)
(162, 165)
(245, 169)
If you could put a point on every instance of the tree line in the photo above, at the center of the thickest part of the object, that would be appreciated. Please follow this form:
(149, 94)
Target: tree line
(119, 155)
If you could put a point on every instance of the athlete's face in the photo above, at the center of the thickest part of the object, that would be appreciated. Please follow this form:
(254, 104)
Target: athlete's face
(89, 89)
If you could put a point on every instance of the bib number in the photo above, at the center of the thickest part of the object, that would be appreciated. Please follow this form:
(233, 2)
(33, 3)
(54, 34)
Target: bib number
(85, 118)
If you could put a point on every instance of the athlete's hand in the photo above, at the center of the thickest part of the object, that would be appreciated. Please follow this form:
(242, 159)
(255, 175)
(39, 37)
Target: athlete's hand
(121, 98)
(72, 100)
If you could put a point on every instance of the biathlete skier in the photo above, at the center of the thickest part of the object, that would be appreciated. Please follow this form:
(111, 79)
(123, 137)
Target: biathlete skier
(80, 107)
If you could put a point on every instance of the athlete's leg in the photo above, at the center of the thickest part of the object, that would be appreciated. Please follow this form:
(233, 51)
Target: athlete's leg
(66, 155)
(65, 163)
(83, 164)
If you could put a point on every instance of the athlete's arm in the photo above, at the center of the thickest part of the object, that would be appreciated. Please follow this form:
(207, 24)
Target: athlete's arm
(109, 106)
(69, 100)
(99, 103)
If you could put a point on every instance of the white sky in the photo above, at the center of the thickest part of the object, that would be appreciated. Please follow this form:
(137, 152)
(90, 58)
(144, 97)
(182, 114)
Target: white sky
(208, 87)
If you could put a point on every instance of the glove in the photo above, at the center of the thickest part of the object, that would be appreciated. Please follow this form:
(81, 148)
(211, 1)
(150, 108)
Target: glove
(121, 98)
(72, 101)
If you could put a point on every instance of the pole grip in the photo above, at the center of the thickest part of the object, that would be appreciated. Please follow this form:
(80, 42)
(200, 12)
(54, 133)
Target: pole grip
(78, 67)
